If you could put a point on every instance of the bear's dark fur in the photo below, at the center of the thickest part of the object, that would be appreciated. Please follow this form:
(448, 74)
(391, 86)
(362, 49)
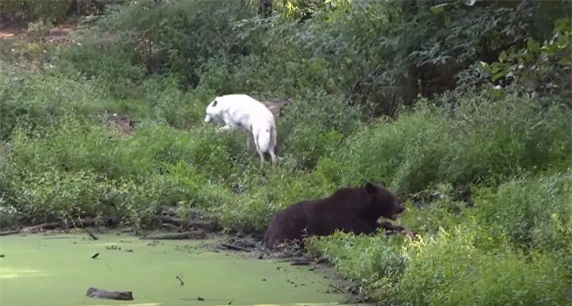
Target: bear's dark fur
(348, 210)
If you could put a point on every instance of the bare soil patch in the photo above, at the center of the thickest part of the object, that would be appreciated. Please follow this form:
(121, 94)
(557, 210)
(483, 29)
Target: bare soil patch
(121, 124)
(58, 35)
(277, 105)
(12, 29)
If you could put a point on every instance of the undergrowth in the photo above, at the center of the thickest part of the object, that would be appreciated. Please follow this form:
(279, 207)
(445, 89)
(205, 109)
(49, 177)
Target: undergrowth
(485, 173)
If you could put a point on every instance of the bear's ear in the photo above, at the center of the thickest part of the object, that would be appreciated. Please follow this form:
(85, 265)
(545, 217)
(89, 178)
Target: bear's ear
(370, 188)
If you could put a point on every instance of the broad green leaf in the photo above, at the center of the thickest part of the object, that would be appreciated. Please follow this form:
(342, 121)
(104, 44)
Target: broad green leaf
(485, 67)
(503, 56)
(498, 75)
(438, 9)
(532, 45)
(550, 49)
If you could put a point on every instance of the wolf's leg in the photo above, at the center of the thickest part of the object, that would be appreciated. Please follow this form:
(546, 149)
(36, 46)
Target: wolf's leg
(225, 128)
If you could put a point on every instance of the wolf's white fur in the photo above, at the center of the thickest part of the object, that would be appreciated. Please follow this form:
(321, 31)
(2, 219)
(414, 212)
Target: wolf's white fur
(242, 112)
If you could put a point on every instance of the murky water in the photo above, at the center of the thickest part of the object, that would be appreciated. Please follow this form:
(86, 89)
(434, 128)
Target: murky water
(58, 270)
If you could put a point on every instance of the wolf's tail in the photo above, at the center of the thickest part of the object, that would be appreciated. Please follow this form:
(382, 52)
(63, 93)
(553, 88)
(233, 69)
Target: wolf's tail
(266, 139)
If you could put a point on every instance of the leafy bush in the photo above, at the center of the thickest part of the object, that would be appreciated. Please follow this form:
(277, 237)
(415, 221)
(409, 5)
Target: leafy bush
(112, 65)
(54, 194)
(511, 136)
(371, 259)
(56, 10)
(278, 188)
(450, 270)
(39, 100)
(315, 125)
(405, 153)
(79, 144)
(440, 211)
(534, 213)
(77, 165)
(174, 37)
(428, 145)
(340, 61)
(52, 10)
(74, 144)
(466, 254)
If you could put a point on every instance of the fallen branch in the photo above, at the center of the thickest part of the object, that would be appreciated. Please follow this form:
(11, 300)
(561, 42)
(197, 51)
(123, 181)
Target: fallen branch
(300, 262)
(7, 233)
(337, 289)
(175, 236)
(170, 220)
(112, 295)
(200, 224)
(90, 233)
(42, 227)
(81, 223)
(170, 227)
(234, 247)
(197, 224)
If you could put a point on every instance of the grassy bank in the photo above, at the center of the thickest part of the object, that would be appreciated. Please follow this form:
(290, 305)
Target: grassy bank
(485, 172)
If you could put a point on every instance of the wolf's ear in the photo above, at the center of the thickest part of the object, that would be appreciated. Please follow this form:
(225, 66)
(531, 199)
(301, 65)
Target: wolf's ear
(214, 103)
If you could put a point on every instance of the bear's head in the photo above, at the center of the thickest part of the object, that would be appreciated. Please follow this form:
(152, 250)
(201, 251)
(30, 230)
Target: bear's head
(213, 112)
(381, 202)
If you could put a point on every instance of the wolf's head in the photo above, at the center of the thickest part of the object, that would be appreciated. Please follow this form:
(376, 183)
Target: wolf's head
(213, 111)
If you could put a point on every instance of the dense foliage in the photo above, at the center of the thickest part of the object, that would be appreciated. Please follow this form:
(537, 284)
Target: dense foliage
(461, 108)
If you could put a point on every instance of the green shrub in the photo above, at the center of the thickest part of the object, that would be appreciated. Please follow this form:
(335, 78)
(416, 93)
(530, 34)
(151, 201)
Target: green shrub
(481, 140)
(465, 254)
(54, 194)
(73, 144)
(450, 270)
(171, 106)
(79, 168)
(442, 212)
(152, 145)
(184, 185)
(114, 67)
(277, 188)
(496, 140)
(80, 144)
(314, 125)
(265, 74)
(54, 10)
(9, 215)
(174, 37)
(534, 213)
(39, 100)
(405, 153)
(371, 259)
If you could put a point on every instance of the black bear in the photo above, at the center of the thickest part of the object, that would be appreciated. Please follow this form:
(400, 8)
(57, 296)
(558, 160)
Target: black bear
(348, 209)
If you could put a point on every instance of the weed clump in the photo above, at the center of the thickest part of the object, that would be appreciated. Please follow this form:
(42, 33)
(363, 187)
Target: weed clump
(405, 98)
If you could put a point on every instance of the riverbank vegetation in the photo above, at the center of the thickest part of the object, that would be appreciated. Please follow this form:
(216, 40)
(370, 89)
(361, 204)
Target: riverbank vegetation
(463, 109)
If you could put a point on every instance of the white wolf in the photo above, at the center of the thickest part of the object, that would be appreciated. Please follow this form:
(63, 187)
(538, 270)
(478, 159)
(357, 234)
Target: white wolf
(242, 112)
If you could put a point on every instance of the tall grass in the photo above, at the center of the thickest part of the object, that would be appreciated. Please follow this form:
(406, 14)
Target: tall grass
(477, 142)
(507, 155)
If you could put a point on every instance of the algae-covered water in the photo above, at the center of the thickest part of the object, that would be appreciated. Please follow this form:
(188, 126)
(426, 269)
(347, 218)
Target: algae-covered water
(58, 270)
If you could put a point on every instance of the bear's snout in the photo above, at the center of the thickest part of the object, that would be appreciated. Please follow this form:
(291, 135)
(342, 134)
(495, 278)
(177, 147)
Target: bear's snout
(398, 210)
